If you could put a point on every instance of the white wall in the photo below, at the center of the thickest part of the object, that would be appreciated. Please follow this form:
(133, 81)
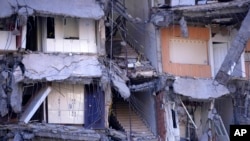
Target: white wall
(7, 40)
(66, 104)
(85, 44)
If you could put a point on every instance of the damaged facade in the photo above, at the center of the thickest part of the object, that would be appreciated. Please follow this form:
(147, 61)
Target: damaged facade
(189, 42)
(123, 69)
(51, 70)
(60, 81)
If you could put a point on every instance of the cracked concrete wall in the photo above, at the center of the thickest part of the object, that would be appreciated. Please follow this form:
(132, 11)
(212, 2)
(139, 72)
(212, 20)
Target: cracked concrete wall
(61, 66)
(199, 88)
(56, 7)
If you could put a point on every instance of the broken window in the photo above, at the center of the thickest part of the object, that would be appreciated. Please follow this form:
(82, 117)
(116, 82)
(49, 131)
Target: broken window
(71, 28)
(50, 28)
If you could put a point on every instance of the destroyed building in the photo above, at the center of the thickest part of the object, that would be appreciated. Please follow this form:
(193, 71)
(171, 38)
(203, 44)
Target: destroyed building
(59, 45)
(200, 52)
(123, 69)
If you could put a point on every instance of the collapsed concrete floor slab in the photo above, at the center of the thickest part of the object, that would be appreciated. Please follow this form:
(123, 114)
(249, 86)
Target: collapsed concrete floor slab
(199, 88)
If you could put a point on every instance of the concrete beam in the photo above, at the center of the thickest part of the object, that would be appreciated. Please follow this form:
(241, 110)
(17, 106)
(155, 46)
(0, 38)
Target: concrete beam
(224, 5)
(211, 13)
(237, 47)
(202, 89)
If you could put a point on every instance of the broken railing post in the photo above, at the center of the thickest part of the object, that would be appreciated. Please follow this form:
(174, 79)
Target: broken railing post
(237, 47)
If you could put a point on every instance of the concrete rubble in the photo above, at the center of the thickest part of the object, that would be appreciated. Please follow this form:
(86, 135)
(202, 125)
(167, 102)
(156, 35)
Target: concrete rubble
(10, 91)
(31, 131)
(61, 132)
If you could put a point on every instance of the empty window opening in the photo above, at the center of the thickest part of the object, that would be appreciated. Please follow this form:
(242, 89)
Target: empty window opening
(7, 24)
(29, 92)
(174, 118)
(31, 36)
(50, 28)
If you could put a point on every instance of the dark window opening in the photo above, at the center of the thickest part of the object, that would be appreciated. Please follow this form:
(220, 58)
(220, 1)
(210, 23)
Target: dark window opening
(174, 118)
(31, 36)
(30, 90)
(7, 24)
(50, 28)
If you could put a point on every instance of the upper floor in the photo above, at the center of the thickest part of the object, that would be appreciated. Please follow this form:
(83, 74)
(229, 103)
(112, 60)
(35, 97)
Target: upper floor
(200, 54)
(53, 26)
(187, 38)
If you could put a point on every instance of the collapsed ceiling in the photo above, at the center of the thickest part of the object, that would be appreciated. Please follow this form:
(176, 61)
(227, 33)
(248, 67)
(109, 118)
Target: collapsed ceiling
(226, 13)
